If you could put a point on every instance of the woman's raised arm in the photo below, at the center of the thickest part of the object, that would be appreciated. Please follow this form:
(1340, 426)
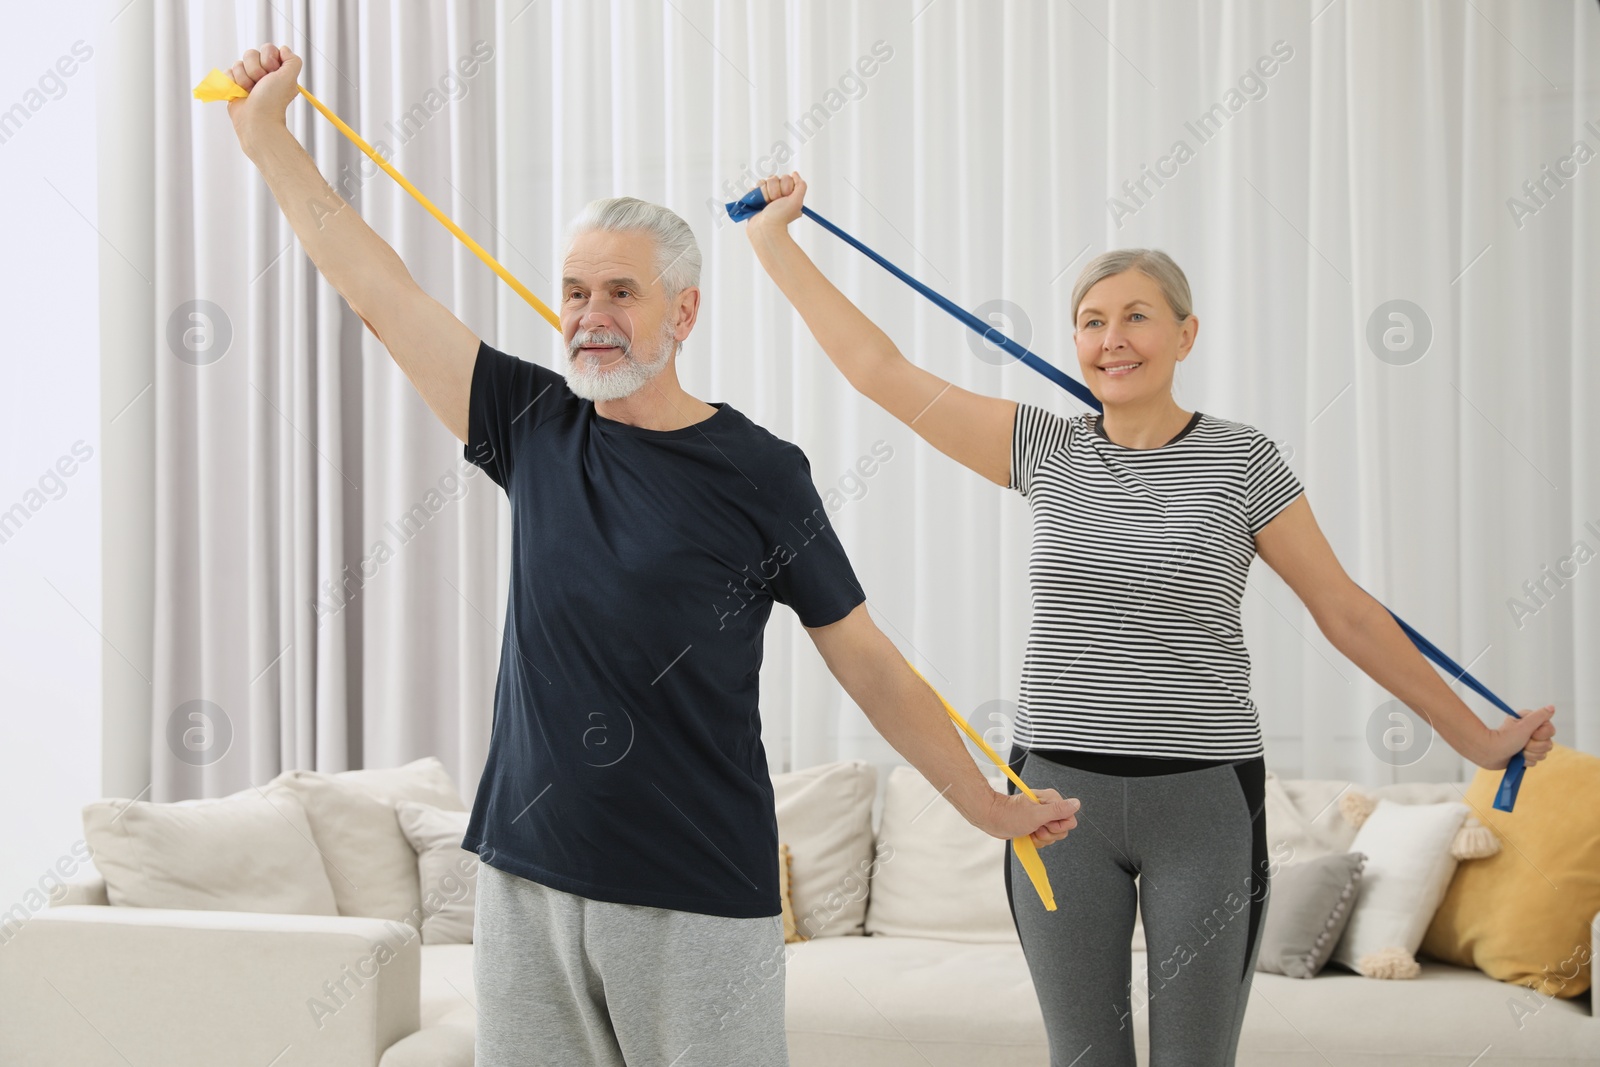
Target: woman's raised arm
(972, 429)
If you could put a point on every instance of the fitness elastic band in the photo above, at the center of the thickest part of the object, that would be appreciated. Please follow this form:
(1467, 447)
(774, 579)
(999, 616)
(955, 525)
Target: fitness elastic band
(755, 200)
(219, 85)
(1027, 851)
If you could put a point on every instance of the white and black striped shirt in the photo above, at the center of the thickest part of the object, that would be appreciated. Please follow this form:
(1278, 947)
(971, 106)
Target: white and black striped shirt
(1137, 571)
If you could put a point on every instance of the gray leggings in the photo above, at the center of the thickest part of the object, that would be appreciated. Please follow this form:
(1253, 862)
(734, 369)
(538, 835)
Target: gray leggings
(1197, 841)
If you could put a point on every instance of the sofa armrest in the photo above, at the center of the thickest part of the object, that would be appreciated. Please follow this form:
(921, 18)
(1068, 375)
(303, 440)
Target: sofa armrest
(1594, 966)
(91, 986)
(90, 889)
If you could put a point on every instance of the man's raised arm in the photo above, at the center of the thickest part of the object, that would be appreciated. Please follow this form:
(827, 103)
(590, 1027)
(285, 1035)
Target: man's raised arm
(435, 349)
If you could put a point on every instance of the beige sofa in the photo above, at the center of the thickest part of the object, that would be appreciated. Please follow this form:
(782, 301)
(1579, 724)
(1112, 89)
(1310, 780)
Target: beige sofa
(877, 867)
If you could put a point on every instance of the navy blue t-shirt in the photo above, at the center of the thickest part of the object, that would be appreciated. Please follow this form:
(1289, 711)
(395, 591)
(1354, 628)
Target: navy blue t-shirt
(625, 762)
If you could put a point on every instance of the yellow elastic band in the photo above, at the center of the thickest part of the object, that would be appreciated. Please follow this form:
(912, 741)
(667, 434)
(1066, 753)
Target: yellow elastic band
(218, 85)
(1027, 851)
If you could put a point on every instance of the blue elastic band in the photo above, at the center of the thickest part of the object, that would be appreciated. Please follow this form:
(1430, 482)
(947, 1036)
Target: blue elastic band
(755, 200)
(1505, 797)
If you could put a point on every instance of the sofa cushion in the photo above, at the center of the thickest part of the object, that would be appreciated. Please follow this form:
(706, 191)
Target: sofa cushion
(1311, 904)
(825, 817)
(448, 984)
(250, 851)
(448, 1014)
(1523, 915)
(449, 1044)
(938, 876)
(422, 780)
(369, 862)
(1445, 1016)
(1409, 866)
(1291, 831)
(916, 1002)
(911, 1000)
(447, 874)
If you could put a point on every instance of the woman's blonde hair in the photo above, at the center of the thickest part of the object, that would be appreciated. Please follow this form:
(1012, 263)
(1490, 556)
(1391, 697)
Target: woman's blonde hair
(1152, 262)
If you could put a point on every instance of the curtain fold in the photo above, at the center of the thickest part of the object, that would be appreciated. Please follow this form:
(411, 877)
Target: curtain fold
(330, 575)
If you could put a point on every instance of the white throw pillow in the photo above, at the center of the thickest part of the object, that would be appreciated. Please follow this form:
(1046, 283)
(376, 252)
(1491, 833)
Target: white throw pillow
(447, 874)
(825, 817)
(369, 862)
(1409, 867)
(938, 875)
(250, 851)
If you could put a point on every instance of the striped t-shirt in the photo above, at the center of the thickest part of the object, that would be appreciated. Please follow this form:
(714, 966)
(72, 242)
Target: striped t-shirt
(1137, 572)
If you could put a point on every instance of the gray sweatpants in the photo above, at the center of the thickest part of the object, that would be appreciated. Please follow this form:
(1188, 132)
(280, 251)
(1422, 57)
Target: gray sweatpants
(564, 980)
(1197, 841)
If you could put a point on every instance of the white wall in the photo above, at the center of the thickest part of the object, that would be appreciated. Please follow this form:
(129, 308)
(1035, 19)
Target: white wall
(50, 461)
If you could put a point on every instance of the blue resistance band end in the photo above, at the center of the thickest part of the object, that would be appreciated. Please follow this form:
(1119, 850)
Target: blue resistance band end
(749, 204)
(1505, 798)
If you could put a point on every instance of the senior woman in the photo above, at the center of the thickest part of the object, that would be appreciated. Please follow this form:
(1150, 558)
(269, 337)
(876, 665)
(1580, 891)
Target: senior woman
(1135, 693)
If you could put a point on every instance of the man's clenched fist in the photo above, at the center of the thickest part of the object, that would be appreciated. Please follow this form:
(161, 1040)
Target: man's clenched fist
(270, 75)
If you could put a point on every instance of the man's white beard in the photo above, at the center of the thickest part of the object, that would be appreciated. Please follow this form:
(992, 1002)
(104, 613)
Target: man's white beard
(622, 377)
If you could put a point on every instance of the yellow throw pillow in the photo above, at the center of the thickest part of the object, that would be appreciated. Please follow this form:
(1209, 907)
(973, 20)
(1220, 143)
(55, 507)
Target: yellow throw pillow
(1523, 914)
(790, 935)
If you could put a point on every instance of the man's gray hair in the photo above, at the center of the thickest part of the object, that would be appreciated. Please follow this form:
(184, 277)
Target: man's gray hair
(677, 252)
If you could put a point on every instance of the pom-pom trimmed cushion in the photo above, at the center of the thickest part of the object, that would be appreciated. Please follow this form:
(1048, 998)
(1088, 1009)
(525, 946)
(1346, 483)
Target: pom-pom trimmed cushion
(1389, 963)
(1409, 866)
(1474, 841)
(1313, 803)
(1523, 915)
(1311, 904)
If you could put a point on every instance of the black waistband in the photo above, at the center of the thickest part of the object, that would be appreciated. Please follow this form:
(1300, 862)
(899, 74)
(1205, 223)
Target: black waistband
(1127, 766)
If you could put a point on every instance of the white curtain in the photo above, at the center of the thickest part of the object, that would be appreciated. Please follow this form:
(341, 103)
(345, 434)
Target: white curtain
(1337, 156)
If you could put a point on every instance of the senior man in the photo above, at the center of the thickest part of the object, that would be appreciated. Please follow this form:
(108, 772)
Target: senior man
(628, 907)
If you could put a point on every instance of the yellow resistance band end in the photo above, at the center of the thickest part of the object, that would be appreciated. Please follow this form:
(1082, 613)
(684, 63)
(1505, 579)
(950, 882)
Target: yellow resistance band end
(218, 86)
(1028, 853)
